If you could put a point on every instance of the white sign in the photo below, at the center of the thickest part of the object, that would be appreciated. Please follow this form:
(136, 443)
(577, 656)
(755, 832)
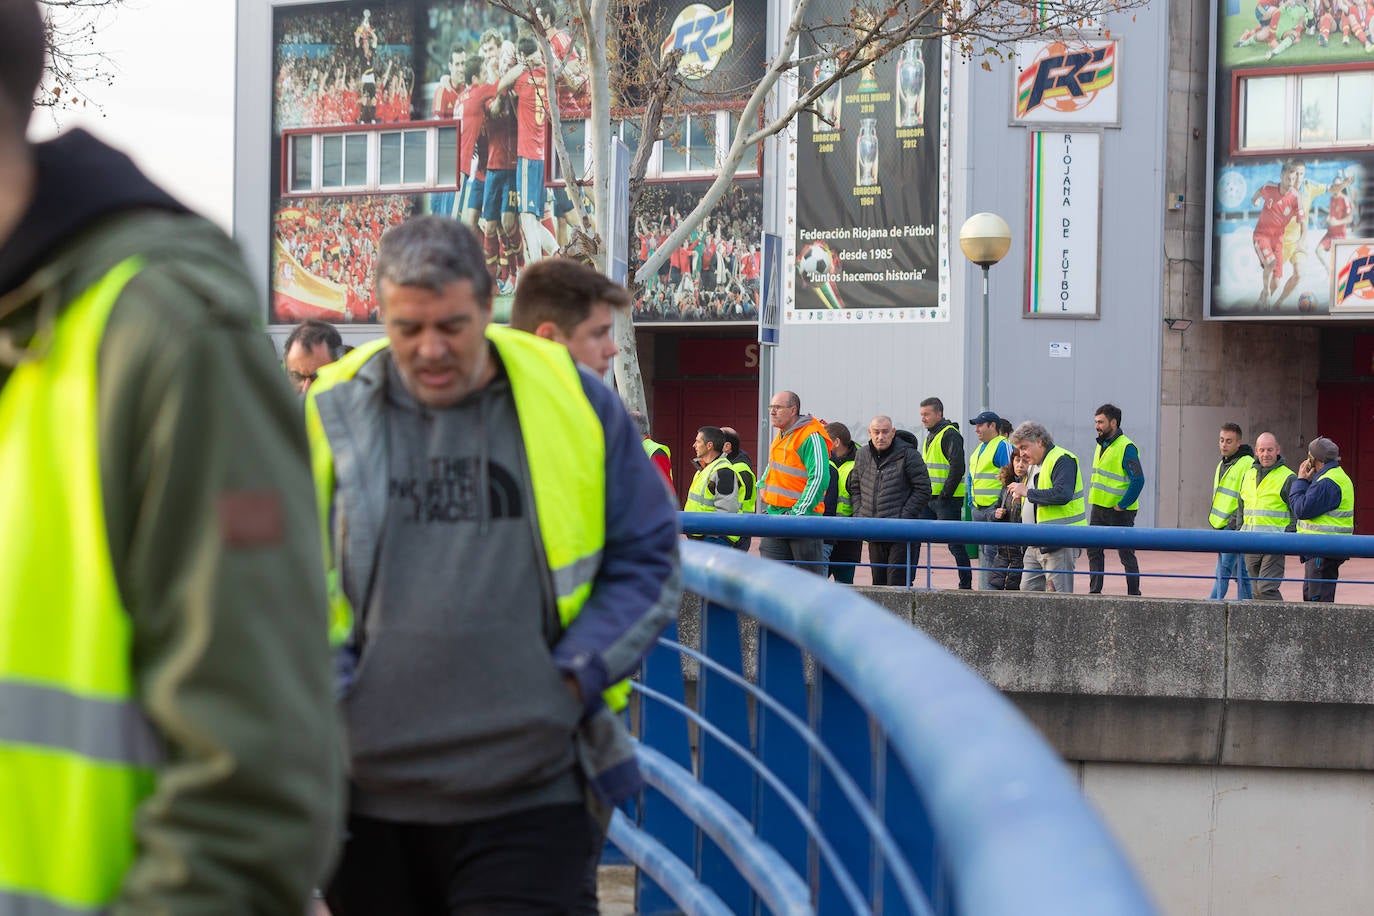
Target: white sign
(1063, 235)
(1060, 350)
(1066, 81)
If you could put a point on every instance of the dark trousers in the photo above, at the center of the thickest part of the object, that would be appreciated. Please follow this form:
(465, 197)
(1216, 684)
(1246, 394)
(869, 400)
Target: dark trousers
(484, 867)
(1321, 573)
(1097, 559)
(888, 561)
(844, 559)
(951, 509)
(802, 552)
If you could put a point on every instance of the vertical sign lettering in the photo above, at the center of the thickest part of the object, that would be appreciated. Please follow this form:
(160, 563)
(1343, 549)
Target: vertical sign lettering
(1064, 234)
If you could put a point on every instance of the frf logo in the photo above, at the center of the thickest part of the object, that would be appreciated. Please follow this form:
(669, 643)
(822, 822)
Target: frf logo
(704, 35)
(1355, 279)
(1065, 79)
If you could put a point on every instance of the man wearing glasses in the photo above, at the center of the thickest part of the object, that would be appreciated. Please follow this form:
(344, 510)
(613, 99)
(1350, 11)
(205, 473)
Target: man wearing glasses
(796, 480)
(313, 344)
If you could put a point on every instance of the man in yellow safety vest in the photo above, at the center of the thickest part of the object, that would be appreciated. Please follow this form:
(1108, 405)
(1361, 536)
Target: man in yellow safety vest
(1054, 496)
(1265, 491)
(167, 729)
(504, 557)
(1323, 502)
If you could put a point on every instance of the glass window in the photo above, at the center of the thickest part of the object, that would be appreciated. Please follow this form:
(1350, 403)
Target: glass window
(413, 157)
(331, 154)
(575, 138)
(701, 148)
(1263, 119)
(1318, 124)
(355, 160)
(390, 172)
(301, 162)
(1355, 121)
(629, 132)
(673, 147)
(448, 156)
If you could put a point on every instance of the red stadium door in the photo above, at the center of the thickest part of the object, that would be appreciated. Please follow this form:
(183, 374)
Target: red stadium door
(1345, 414)
(700, 396)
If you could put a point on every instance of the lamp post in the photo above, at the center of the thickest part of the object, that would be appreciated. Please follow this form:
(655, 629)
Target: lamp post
(985, 239)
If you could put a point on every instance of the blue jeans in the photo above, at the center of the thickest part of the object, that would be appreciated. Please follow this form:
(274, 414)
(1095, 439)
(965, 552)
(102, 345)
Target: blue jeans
(1231, 566)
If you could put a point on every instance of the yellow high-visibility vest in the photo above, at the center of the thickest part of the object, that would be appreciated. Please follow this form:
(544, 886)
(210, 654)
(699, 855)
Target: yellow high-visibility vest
(698, 495)
(987, 483)
(564, 446)
(938, 465)
(1071, 513)
(1226, 490)
(1340, 520)
(1110, 482)
(77, 755)
(1265, 509)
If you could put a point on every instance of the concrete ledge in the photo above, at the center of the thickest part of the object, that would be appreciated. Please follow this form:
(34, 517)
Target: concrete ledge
(1154, 680)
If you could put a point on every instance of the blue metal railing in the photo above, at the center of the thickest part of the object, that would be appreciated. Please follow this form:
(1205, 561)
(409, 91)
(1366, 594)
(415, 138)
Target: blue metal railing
(863, 770)
(918, 531)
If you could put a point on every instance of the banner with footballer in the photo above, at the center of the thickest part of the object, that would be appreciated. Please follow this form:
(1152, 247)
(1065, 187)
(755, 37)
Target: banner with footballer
(1291, 235)
(868, 193)
(384, 109)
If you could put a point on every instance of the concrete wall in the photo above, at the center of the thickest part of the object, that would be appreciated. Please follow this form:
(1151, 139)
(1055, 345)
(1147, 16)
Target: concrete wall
(1262, 376)
(1242, 841)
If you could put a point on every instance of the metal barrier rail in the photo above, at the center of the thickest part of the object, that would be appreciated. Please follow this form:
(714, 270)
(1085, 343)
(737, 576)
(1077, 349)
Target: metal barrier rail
(917, 532)
(1100, 536)
(888, 778)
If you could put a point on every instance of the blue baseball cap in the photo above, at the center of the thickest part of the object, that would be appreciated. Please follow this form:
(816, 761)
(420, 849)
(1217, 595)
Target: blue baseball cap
(986, 416)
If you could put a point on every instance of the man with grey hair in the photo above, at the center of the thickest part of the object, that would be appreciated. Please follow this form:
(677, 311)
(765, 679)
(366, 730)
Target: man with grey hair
(1055, 499)
(505, 555)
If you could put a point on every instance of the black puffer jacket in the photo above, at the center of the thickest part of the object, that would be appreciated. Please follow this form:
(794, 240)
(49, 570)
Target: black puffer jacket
(890, 484)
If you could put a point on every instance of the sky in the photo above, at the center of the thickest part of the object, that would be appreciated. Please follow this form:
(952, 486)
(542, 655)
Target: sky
(172, 104)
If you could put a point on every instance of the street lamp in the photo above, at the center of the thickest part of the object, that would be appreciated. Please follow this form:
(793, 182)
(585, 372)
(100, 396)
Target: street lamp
(984, 239)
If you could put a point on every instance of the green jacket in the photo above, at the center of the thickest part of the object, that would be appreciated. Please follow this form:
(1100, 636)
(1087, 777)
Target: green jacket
(211, 525)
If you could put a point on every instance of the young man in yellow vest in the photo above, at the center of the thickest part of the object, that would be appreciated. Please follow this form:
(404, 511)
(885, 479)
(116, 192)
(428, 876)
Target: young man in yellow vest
(1114, 494)
(845, 557)
(1224, 514)
(1055, 499)
(984, 484)
(1265, 491)
(944, 458)
(167, 732)
(795, 482)
(748, 480)
(504, 557)
(562, 300)
(715, 486)
(1323, 502)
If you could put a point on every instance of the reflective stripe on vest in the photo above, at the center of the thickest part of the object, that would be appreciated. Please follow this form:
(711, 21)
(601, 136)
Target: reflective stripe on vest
(564, 445)
(1226, 490)
(938, 465)
(1340, 520)
(699, 496)
(1109, 480)
(1265, 509)
(987, 482)
(77, 755)
(785, 481)
(746, 475)
(1071, 513)
(845, 506)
